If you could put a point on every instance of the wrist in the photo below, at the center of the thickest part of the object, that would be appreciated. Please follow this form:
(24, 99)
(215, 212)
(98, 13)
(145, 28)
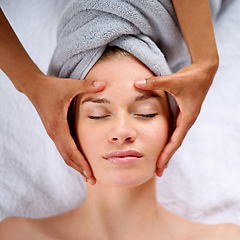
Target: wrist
(27, 80)
(209, 64)
(32, 84)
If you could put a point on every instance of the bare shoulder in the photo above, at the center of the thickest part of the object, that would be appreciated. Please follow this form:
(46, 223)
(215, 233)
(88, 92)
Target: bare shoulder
(226, 231)
(219, 232)
(201, 231)
(21, 229)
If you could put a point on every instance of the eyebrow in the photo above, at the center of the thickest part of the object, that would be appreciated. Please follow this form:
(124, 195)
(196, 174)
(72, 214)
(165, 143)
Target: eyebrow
(104, 100)
(146, 96)
(95, 100)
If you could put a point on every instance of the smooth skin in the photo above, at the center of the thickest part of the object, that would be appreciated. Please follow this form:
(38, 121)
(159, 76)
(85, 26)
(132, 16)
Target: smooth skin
(58, 93)
(122, 205)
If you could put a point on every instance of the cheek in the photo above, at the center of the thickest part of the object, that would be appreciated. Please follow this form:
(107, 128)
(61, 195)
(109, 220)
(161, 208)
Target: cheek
(89, 138)
(156, 135)
(86, 138)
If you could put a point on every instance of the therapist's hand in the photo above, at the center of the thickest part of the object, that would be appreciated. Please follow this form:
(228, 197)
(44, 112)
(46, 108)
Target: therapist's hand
(189, 87)
(51, 97)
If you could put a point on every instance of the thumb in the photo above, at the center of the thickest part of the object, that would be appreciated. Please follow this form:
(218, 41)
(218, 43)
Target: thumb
(75, 87)
(157, 83)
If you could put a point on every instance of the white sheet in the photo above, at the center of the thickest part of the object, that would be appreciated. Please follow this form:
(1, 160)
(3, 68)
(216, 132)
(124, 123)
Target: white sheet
(202, 180)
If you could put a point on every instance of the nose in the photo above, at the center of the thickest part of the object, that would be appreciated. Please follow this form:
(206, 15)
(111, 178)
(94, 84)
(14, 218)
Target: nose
(122, 130)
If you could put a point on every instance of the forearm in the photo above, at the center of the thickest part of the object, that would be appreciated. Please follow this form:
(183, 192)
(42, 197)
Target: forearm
(196, 24)
(14, 60)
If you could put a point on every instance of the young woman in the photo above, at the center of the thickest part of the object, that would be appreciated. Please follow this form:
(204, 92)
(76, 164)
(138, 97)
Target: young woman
(196, 79)
(123, 131)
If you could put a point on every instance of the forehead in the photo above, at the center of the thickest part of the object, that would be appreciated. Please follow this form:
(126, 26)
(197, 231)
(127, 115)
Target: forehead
(119, 71)
(120, 74)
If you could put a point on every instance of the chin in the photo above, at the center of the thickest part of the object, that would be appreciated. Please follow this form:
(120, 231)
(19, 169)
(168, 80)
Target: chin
(126, 179)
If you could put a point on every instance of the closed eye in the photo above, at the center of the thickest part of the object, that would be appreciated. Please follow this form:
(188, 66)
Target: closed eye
(152, 115)
(98, 117)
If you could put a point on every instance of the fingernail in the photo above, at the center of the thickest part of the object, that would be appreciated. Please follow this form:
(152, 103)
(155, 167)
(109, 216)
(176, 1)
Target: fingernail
(84, 178)
(90, 181)
(142, 82)
(85, 174)
(97, 83)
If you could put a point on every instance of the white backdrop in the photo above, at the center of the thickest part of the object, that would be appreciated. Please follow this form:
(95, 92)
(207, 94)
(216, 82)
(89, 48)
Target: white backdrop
(202, 181)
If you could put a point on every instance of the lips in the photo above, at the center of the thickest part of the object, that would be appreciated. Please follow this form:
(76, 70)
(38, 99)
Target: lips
(123, 157)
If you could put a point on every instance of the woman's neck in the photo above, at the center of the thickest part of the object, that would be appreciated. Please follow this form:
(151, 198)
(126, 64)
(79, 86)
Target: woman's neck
(121, 212)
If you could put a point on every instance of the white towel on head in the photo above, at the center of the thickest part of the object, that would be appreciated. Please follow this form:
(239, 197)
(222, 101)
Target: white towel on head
(87, 27)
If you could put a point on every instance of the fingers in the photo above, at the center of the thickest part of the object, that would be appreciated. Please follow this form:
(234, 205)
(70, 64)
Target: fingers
(182, 127)
(165, 83)
(52, 105)
(189, 87)
(70, 153)
(159, 172)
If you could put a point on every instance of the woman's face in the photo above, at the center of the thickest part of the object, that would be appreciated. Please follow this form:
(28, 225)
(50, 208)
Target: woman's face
(122, 130)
